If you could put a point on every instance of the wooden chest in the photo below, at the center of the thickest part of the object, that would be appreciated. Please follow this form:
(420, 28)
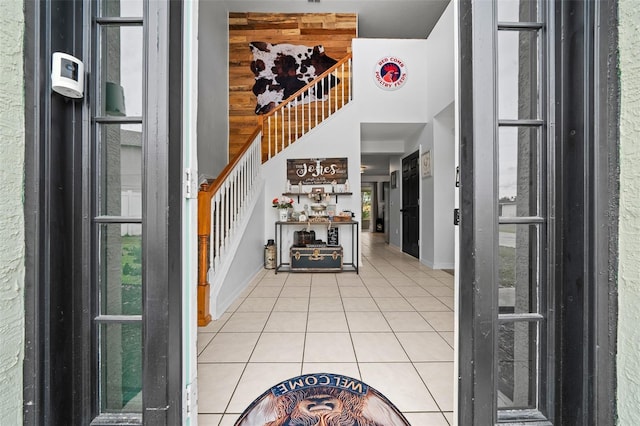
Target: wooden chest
(316, 259)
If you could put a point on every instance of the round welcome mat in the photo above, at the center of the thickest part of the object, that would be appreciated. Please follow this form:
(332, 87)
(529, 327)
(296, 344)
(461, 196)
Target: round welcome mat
(322, 399)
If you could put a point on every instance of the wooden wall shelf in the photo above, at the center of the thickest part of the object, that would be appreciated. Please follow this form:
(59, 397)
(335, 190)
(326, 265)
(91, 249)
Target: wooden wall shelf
(298, 194)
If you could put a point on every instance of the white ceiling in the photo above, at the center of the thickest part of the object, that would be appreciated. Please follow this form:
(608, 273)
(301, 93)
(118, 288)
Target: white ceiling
(381, 141)
(376, 19)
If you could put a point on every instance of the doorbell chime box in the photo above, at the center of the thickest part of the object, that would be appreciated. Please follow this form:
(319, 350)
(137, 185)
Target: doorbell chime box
(67, 75)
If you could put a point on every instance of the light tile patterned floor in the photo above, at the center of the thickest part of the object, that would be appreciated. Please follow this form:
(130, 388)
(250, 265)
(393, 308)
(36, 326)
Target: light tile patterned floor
(391, 326)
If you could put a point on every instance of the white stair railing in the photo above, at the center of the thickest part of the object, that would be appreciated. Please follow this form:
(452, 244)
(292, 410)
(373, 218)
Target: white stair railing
(222, 205)
(306, 108)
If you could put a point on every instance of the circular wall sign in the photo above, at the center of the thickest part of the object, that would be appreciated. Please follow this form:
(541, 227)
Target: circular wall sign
(390, 73)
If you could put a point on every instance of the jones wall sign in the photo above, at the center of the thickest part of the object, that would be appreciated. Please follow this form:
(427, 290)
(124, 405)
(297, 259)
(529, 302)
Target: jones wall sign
(317, 171)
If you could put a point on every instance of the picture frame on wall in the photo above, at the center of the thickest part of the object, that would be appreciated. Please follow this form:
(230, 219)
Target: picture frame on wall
(425, 164)
(394, 179)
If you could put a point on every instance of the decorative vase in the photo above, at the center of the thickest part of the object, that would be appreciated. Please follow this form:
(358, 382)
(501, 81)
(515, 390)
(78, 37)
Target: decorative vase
(283, 215)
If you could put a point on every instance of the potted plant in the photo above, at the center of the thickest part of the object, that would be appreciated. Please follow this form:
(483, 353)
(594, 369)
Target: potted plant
(283, 204)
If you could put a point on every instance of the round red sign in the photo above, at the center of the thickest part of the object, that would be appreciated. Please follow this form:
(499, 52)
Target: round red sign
(390, 73)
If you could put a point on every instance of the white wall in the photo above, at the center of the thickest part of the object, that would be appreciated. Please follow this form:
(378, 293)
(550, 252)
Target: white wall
(436, 95)
(404, 105)
(440, 66)
(213, 86)
(249, 259)
(395, 203)
(437, 190)
(437, 234)
(443, 169)
(338, 136)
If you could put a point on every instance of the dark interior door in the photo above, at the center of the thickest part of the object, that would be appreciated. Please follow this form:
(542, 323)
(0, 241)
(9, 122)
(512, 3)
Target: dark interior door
(410, 199)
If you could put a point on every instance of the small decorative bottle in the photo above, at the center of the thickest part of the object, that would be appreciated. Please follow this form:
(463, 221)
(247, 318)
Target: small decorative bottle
(300, 187)
(346, 185)
(288, 188)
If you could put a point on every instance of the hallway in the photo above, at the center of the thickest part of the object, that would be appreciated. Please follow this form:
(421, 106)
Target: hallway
(391, 326)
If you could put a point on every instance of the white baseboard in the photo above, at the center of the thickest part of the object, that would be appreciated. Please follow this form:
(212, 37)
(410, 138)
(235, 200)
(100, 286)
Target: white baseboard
(439, 265)
(221, 306)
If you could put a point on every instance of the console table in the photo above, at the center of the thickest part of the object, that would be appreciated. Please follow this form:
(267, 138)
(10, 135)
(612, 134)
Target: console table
(355, 243)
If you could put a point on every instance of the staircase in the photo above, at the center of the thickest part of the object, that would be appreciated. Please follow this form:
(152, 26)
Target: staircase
(226, 203)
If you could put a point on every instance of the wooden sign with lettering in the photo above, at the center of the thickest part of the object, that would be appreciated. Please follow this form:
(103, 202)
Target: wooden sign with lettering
(317, 171)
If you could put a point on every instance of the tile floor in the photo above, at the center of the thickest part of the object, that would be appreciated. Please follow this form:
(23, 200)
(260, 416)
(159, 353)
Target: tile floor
(391, 326)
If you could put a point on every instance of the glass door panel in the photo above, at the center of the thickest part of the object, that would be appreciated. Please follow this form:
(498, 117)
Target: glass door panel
(519, 267)
(121, 367)
(120, 169)
(517, 10)
(120, 266)
(505, 203)
(518, 75)
(118, 206)
(518, 171)
(121, 70)
(517, 365)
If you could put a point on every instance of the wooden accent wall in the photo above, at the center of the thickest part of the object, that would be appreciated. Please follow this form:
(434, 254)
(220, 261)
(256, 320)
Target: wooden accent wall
(332, 30)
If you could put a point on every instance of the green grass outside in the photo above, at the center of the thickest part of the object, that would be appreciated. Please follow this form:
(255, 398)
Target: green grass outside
(509, 228)
(131, 305)
(507, 266)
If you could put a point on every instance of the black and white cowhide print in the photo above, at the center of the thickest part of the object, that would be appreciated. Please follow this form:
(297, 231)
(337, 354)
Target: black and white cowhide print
(283, 69)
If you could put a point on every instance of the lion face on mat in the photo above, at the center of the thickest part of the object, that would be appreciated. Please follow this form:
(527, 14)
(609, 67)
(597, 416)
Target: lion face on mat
(323, 406)
(318, 406)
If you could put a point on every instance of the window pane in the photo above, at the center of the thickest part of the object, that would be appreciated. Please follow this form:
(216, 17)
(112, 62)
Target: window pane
(517, 365)
(518, 10)
(121, 367)
(121, 78)
(120, 191)
(518, 269)
(122, 8)
(518, 173)
(366, 206)
(120, 269)
(518, 76)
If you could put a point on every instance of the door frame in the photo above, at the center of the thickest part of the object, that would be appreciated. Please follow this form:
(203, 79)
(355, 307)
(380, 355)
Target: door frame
(586, 236)
(59, 381)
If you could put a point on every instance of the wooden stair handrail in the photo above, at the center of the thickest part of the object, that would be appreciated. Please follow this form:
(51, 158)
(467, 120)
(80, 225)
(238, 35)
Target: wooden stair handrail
(307, 86)
(215, 185)
(209, 189)
(205, 195)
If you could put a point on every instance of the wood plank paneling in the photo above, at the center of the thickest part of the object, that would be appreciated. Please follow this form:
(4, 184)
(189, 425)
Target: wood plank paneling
(332, 30)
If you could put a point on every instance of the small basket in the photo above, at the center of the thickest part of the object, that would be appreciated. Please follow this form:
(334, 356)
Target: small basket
(341, 218)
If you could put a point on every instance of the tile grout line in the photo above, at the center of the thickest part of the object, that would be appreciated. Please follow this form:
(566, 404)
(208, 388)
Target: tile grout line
(387, 259)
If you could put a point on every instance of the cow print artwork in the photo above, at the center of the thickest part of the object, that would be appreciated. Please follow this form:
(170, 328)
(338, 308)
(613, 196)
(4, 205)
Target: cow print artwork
(282, 69)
